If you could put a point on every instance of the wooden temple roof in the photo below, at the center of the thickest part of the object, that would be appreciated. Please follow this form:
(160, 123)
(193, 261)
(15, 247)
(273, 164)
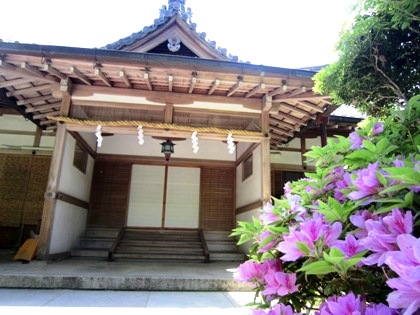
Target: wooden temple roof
(133, 80)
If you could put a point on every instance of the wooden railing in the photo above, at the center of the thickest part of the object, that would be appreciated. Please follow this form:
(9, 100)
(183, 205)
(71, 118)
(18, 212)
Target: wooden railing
(115, 244)
(204, 246)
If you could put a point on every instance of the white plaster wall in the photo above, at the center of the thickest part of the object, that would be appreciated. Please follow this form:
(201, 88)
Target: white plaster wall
(241, 147)
(72, 181)
(127, 144)
(249, 190)
(69, 224)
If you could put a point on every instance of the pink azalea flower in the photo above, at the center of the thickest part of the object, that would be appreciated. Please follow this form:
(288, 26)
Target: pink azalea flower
(356, 140)
(250, 271)
(349, 246)
(377, 128)
(280, 283)
(296, 207)
(351, 305)
(359, 220)
(288, 245)
(366, 183)
(270, 245)
(406, 263)
(278, 309)
(382, 235)
(312, 231)
(268, 216)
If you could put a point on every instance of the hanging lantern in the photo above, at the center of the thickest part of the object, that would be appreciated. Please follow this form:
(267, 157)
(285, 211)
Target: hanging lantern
(167, 149)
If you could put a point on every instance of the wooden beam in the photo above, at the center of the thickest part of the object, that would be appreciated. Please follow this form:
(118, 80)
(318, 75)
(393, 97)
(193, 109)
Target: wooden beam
(169, 112)
(279, 137)
(163, 133)
(125, 79)
(146, 78)
(282, 131)
(297, 110)
(214, 86)
(37, 138)
(296, 120)
(102, 76)
(35, 99)
(283, 123)
(193, 82)
(80, 75)
(301, 97)
(265, 170)
(256, 89)
(38, 88)
(31, 69)
(65, 88)
(14, 82)
(26, 71)
(280, 90)
(303, 151)
(311, 106)
(44, 115)
(298, 91)
(80, 91)
(170, 82)
(234, 88)
(54, 72)
(40, 108)
(48, 212)
(267, 104)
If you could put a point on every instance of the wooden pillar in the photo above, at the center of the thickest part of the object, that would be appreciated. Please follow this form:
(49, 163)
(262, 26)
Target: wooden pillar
(65, 88)
(265, 149)
(323, 135)
(303, 151)
(50, 194)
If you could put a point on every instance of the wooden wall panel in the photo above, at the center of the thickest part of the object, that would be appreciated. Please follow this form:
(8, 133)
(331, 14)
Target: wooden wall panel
(109, 194)
(217, 198)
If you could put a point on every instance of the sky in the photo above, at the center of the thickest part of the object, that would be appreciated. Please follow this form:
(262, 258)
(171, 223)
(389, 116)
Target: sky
(279, 33)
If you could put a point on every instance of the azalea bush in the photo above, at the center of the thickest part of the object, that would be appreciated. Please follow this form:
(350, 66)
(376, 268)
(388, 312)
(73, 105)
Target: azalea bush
(345, 239)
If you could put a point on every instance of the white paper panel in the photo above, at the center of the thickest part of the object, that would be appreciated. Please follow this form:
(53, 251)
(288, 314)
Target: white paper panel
(183, 194)
(146, 196)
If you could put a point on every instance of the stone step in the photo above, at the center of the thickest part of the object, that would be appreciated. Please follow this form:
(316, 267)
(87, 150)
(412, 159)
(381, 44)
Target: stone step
(89, 253)
(218, 236)
(162, 243)
(104, 243)
(221, 246)
(227, 256)
(93, 232)
(157, 257)
(167, 237)
(166, 250)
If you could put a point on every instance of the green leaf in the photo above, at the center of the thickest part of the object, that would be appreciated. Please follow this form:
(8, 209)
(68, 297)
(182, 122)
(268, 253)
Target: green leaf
(303, 248)
(318, 268)
(369, 146)
(382, 145)
(244, 238)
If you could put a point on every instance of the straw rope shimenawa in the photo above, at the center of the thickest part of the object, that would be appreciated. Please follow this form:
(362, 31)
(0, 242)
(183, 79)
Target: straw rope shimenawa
(165, 126)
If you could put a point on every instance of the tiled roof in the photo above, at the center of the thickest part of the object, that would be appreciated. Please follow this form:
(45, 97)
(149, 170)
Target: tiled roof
(175, 7)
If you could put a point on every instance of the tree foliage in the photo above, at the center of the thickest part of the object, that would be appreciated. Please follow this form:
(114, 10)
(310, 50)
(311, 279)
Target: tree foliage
(378, 65)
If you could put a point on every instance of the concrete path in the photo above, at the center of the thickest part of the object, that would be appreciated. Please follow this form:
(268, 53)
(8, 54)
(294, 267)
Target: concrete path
(78, 302)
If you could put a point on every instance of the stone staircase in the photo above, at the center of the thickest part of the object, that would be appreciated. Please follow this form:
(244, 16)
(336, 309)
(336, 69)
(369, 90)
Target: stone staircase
(132, 244)
(222, 247)
(96, 243)
(160, 245)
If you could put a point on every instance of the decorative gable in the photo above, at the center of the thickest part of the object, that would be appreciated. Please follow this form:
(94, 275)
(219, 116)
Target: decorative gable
(173, 33)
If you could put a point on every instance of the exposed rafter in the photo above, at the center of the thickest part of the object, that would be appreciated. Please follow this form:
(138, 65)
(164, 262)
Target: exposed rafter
(124, 77)
(170, 82)
(102, 76)
(146, 78)
(80, 75)
(55, 72)
(37, 88)
(193, 82)
(255, 90)
(214, 86)
(236, 87)
(42, 107)
(35, 99)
